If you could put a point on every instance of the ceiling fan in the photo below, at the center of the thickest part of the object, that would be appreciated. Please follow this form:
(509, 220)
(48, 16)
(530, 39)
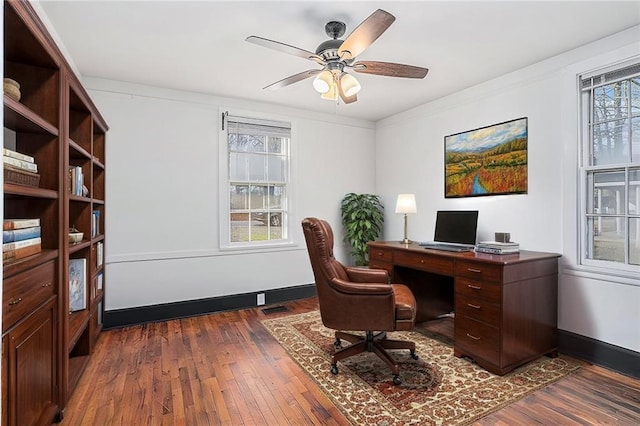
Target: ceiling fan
(337, 56)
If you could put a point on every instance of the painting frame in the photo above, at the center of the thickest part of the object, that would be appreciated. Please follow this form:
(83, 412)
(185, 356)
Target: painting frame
(77, 284)
(489, 160)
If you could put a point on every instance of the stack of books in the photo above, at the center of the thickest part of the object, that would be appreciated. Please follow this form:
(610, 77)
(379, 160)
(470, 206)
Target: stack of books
(495, 247)
(19, 168)
(20, 238)
(76, 180)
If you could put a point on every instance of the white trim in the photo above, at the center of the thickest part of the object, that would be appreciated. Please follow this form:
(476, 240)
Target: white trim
(223, 182)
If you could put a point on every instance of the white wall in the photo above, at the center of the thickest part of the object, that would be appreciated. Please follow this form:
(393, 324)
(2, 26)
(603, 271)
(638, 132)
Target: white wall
(410, 158)
(162, 194)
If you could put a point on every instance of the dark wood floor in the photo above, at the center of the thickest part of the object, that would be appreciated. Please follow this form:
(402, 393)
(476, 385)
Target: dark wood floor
(166, 374)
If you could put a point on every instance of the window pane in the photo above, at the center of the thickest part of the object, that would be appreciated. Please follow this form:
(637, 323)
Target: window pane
(607, 245)
(611, 142)
(635, 96)
(277, 166)
(634, 191)
(239, 142)
(258, 197)
(276, 196)
(238, 166)
(239, 227)
(276, 227)
(238, 197)
(634, 241)
(257, 167)
(275, 145)
(635, 140)
(610, 101)
(607, 193)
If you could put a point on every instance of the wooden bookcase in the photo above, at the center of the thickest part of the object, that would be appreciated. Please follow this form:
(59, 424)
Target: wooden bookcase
(45, 346)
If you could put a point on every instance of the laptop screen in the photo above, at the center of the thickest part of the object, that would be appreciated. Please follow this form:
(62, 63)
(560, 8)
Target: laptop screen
(456, 226)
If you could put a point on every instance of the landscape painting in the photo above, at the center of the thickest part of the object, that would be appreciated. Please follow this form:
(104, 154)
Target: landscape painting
(490, 160)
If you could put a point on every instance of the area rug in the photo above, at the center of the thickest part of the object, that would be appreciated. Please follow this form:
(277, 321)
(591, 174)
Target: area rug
(436, 389)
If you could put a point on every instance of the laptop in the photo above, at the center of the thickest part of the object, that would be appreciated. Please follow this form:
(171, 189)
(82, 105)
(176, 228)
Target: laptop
(455, 230)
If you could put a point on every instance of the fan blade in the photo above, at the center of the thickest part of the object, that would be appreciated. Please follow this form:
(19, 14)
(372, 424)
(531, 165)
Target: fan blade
(292, 79)
(346, 99)
(281, 47)
(365, 34)
(389, 69)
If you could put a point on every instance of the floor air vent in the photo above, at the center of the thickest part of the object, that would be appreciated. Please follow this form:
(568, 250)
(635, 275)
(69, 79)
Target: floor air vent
(275, 309)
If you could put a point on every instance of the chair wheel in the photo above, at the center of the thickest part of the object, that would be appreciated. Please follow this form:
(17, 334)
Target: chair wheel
(337, 344)
(334, 369)
(396, 380)
(414, 355)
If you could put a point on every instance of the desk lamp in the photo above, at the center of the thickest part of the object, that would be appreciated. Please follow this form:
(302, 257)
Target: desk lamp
(406, 204)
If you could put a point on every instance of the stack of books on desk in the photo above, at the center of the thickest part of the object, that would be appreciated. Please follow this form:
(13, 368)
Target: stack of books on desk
(495, 247)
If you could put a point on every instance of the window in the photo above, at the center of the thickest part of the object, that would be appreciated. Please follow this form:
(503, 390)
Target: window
(257, 178)
(610, 111)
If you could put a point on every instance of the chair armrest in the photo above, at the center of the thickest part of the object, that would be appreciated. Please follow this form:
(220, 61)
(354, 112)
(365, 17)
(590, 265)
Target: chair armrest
(365, 275)
(373, 289)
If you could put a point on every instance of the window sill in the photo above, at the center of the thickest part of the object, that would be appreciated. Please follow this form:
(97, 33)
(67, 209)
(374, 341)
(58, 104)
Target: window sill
(602, 274)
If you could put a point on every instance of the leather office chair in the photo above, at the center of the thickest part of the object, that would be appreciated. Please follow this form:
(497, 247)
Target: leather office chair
(358, 299)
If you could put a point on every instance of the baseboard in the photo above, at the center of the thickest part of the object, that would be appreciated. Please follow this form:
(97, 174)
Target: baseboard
(131, 316)
(613, 357)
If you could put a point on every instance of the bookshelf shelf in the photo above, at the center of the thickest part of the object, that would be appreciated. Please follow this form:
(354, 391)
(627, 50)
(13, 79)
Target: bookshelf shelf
(56, 125)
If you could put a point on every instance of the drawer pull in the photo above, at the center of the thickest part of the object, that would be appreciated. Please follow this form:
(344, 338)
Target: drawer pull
(422, 261)
(380, 253)
(46, 284)
(472, 337)
(475, 287)
(15, 302)
(476, 271)
(473, 306)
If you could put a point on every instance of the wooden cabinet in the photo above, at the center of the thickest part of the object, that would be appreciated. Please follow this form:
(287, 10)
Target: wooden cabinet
(505, 307)
(54, 122)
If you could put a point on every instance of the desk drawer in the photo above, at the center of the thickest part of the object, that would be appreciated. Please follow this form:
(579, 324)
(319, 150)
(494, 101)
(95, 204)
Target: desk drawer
(477, 309)
(425, 262)
(478, 271)
(380, 255)
(478, 290)
(476, 339)
(25, 291)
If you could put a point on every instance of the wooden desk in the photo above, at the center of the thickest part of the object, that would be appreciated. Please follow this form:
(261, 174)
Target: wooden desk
(505, 306)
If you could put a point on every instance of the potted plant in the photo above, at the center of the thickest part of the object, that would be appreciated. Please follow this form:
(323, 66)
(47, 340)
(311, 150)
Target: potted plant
(362, 218)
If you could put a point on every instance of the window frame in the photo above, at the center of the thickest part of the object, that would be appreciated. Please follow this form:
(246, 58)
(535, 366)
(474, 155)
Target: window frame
(588, 170)
(225, 242)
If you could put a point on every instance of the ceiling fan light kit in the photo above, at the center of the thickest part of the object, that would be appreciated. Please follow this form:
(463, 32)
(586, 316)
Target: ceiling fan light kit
(332, 81)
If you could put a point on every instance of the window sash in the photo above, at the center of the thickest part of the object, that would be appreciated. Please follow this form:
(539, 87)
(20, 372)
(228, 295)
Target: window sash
(257, 181)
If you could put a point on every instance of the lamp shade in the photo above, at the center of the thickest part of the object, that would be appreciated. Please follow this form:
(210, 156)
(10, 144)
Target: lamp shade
(350, 86)
(331, 94)
(323, 82)
(406, 203)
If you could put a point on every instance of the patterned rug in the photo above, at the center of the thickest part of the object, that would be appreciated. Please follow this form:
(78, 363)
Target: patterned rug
(437, 389)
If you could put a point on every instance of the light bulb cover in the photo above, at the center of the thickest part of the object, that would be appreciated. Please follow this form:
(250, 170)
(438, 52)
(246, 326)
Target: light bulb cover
(323, 82)
(350, 86)
(331, 94)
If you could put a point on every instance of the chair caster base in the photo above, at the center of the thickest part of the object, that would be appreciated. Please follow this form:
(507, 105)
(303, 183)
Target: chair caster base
(414, 355)
(334, 369)
(396, 380)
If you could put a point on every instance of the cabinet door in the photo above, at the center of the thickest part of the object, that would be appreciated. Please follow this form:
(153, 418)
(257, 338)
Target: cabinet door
(30, 358)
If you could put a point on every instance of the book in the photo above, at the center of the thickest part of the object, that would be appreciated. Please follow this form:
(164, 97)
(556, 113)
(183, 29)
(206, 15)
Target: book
(15, 254)
(77, 284)
(9, 224)
(20, 234)
(76, 180)
(95, 223)
(99, 254)
(493, 250)
(18, 155)
(498, 244)
(19, 244)
(25, 165)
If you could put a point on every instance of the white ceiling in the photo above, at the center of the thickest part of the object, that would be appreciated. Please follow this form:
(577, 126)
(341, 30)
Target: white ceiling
(200, 45)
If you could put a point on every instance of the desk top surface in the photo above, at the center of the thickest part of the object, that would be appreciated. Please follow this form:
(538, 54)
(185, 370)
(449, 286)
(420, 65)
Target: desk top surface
(521, 256)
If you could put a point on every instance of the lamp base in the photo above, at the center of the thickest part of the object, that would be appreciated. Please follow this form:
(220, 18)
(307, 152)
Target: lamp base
(406, 241)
